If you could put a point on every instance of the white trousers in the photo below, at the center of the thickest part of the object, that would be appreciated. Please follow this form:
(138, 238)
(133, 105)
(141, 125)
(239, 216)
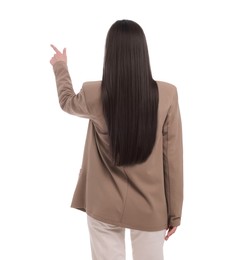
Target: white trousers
(108, 242)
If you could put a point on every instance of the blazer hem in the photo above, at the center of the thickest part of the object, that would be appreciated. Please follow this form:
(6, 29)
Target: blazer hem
(122, 224)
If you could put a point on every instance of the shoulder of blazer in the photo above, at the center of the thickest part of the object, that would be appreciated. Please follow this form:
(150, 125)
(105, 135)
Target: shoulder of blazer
(92, 92)
(167, 86)
(166, 90)
(91, 88)
(91, 85)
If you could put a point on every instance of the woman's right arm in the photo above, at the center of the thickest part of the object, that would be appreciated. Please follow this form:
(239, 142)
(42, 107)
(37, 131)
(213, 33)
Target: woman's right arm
(173, 162)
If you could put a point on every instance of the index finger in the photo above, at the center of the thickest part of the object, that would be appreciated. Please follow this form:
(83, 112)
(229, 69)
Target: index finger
(55, 48)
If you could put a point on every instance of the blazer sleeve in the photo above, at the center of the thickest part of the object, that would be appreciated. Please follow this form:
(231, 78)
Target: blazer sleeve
(70, 102)
(173, 162)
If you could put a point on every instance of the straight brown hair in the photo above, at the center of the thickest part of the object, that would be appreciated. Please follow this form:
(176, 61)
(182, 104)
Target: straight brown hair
(129, 94)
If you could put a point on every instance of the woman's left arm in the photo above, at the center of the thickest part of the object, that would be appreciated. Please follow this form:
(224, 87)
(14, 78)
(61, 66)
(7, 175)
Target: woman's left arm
(70, 102)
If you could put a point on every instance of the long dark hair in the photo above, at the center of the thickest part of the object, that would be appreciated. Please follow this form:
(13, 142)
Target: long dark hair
(129, 94)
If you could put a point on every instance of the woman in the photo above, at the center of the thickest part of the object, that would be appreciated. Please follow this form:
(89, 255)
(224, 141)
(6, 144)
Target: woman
(132, 170)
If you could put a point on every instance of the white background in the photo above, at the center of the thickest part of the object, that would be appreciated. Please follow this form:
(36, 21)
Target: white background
(199, 46)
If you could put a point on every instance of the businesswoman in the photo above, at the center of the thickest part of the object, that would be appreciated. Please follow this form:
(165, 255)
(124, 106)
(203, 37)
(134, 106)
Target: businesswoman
(132, 170)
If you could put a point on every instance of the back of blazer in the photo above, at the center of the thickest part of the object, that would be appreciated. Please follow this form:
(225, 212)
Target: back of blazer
(146, 196)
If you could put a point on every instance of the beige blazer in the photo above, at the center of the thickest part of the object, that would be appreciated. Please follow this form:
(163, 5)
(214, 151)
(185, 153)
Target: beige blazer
(146, 196)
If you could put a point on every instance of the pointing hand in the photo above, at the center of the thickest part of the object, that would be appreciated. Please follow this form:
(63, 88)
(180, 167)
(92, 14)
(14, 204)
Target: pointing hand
(58, 56)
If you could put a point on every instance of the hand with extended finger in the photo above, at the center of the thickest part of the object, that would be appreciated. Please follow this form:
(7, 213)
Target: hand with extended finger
(58, 56)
